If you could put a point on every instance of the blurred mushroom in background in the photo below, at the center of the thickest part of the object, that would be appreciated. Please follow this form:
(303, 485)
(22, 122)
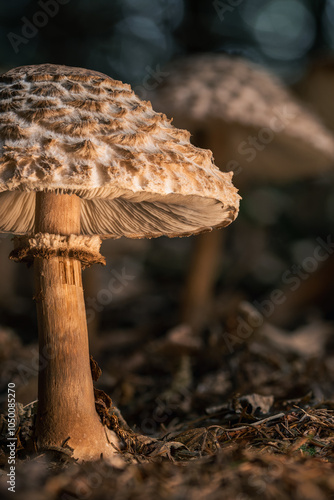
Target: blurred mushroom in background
(316, 90)
(255, 128)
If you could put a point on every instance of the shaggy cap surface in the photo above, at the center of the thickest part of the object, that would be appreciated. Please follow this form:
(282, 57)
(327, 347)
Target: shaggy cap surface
(72, 130)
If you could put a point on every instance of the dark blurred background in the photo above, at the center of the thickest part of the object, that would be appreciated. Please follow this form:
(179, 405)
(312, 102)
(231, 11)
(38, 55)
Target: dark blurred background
(132, 40)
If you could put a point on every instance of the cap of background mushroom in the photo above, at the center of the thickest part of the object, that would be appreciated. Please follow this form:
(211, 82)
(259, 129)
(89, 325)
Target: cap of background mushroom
(249, 119)
(83, 157)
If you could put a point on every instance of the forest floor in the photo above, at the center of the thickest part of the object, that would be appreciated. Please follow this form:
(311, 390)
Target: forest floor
(240, 409)
(221, 420)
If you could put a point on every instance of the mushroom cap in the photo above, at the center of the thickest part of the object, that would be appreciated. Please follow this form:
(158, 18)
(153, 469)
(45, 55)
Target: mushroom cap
(227, 103)
(77, 131)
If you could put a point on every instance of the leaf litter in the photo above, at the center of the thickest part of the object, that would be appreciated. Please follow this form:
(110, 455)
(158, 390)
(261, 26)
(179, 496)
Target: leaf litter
(257, 421)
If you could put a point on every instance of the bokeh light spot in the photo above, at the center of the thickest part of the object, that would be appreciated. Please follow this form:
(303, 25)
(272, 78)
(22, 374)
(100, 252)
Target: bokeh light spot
(285, 29)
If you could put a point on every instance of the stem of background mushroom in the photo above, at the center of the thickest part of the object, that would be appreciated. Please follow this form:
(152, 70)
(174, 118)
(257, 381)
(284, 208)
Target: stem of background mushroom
(201, 277)
(65, 388)
(200, 280)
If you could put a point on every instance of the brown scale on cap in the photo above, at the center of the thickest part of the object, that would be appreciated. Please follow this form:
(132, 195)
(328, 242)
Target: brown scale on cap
(8, 106)
(48, 90)
(94, 137)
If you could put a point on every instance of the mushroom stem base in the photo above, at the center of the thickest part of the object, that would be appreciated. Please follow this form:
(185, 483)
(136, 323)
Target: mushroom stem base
(66, 406)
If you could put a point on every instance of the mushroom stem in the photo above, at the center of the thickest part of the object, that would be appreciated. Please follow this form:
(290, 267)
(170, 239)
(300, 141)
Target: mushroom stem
(66, 407)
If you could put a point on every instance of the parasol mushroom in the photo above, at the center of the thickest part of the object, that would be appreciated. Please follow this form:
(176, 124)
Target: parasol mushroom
(83, 158)
(254, 127)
